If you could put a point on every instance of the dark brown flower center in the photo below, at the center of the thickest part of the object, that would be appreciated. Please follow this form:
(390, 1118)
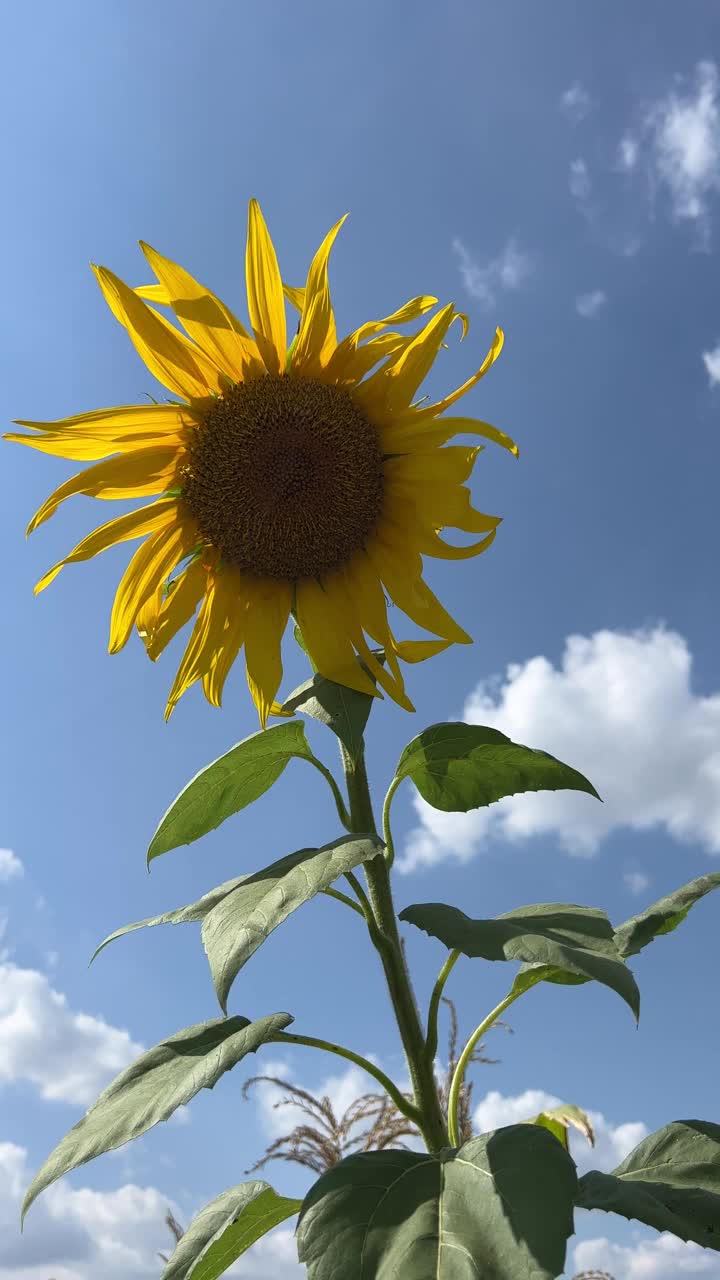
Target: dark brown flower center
(285, 477)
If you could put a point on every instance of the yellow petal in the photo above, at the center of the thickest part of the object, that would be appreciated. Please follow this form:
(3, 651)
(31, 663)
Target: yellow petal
(106, 431)
(232, 600)
(204, 638)
(132, 475)
(266, 306)
(317, 337)
(398, 569)
(323, 622)
(391, 388)
(415, 431)
(183, 368)
(206, 319)
(296, 297)
(357, 364)
(156, 293)
(419, 650)
(433, 545)
(347, 349)
(365, 607)
(151, 565)
(162, 616)
(433, 410)
(268, 610)
(136, 524)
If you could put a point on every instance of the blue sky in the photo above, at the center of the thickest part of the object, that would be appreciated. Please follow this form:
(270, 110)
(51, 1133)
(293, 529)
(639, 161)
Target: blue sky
(554, 169)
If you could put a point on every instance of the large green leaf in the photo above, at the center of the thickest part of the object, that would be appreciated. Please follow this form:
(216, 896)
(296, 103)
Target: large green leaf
(229, 784)
(343, 710)
(152, 1087)
(577, 941)
(242, 920)
(500, 1208)
(457, 767)
(180, 915)
(225, 1229)
(663, 916)
(671, 1181)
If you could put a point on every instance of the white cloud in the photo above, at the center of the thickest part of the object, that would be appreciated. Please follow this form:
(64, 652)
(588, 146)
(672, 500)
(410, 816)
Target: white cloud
(579, 180)
(628, 153)
(636, 881)
(575, 102)
(612, 1142)
(661, 1257)
(484, 281)
(687, 143)
(341, 1090)
(587, 305)
(711, 360)
(620, 709)
(75, 1233)
(11, 868)
(68, 1056)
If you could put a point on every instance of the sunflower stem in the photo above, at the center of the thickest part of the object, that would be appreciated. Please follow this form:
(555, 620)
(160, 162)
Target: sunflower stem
(431, 1039)
(340, 805)
(344, 897)
(465, 1056)
(429, 1119)
(387, 833)
(401, 1102)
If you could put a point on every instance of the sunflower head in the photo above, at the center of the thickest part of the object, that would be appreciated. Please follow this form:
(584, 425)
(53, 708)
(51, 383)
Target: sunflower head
(305, 480)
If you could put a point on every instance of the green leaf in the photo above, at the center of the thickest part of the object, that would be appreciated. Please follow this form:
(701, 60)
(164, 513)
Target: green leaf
(229, 784)
(241, 921)
(153, 1087)
(343, 710)
(500, 1208)
(457, 767)
(671, 1181)
(663, 916)
(577, 941)
(181, 915)
(559, 1119)
(225, 1229)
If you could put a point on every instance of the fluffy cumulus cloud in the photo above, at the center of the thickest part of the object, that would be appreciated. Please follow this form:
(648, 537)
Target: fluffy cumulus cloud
(75, 1233)
(11, 868)
(485, 280)
(575, 102)
(653, 754)
(612, 1141)
(711, 360)
(68, 1056)
(662, 1257)
(587, 305)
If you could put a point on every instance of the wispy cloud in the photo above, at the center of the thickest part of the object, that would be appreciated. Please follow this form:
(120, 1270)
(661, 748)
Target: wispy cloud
(485, 280)
(587, 305)
(632, 686)
(575, 102)
(711, 360)
(636, 881)
(675, 146)
(579, 180)
(11, 868)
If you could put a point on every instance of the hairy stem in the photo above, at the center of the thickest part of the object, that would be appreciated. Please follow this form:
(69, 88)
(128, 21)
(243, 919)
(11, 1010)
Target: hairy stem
(431, 1040)
(386, 939)
(340, 805)
(344, 897)
(465, 1056)
(387, 833)
(401, 1102)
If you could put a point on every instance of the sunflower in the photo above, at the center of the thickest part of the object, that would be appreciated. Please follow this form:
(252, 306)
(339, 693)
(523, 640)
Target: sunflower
(305, 481)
